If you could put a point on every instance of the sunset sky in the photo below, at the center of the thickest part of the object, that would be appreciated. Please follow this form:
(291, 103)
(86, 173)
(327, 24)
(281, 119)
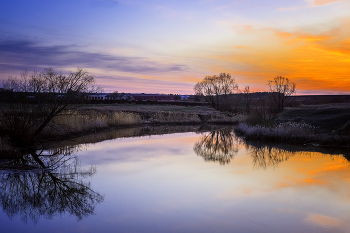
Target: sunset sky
(159, 46)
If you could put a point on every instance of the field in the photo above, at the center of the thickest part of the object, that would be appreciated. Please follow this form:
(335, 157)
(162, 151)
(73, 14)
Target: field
(325, 117)
(326, 125)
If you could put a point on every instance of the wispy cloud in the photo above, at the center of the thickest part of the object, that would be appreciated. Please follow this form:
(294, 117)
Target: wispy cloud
(321, 220)
(323, 2)
(137, 84)
(28, 55)
(311, 3)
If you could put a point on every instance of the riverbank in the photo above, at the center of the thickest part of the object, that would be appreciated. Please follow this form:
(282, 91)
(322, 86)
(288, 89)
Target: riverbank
(18, 127)
(95, 118)
(324, 125)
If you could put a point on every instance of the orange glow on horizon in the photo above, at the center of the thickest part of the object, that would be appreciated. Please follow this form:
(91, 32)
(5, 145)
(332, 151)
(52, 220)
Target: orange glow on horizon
(314, 61)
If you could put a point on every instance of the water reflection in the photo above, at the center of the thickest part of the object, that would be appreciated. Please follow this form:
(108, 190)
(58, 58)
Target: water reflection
(222, 145)
(267, 156)
(219, 146)
(46, 184)
(158, 184)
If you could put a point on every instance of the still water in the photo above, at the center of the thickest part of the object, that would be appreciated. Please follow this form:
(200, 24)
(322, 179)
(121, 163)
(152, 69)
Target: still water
(182, 182)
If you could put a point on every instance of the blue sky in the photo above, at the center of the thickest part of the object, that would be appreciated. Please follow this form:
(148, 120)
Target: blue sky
(167, 46)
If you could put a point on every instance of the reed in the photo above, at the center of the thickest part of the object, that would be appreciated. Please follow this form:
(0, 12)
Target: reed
(81, 121)
(162, 117)
(222, 118)
(94, 119)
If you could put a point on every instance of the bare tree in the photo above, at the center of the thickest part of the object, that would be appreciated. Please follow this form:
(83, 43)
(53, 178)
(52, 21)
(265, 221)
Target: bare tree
(281, 89)
(247, 99)
(36, 98)
(215, 89)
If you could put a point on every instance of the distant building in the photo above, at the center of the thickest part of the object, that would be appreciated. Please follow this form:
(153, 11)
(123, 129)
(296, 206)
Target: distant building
(129, 96)
(152, 97)
(96, 96)
(185, 97)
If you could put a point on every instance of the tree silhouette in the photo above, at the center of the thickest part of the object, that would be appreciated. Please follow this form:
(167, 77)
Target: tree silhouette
(215, 89)
(218, 146)
(33, 100)
(44, 185)
(281, 89)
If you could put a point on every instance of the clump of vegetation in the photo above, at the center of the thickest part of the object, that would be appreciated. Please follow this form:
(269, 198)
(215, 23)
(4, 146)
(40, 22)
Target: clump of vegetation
(288, 131)
(79, 121)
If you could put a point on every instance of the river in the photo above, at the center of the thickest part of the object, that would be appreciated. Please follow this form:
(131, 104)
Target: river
(207, 181)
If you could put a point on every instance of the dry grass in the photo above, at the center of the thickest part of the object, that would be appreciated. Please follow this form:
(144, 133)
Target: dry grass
(172, 117)
(291, 132)
(326, 118)
(226, 118)
(139, 108)
(80, 121)
(88, 118)
(165, 114)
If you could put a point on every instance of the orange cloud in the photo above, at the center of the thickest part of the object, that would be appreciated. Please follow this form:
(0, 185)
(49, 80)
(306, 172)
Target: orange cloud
(311, 38)
(314, 61)
(321, 220)
(240, 47)
(299, 36)
(323, 2)
(282, 34)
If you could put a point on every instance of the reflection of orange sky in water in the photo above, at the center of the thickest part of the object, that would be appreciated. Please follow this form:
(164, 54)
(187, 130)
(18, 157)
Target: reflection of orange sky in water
(300, 170)
(312, 188)
(317, 170)
(303, 179)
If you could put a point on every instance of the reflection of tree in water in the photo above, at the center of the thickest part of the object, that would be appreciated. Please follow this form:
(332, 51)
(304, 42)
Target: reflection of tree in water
(266, 156)
(217, 146)
(44, 185)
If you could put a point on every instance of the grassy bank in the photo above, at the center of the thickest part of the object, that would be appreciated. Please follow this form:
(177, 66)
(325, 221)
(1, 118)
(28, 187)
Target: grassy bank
(326, 117)
(18, 125)
(318, 124)
(292, 132)
(95, 118)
